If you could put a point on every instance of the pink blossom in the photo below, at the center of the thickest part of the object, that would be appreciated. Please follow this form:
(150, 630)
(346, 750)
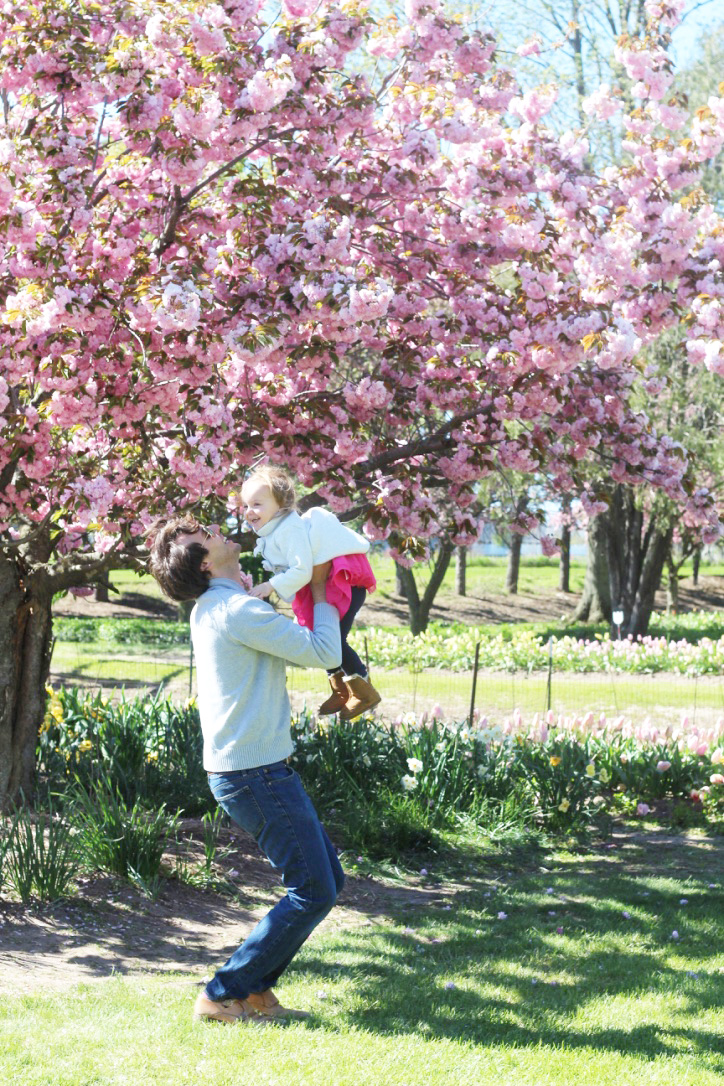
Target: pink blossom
(662, 766)
(601, 104)
(549, 546)
(529, 48)
(299, 9)
(642, 809)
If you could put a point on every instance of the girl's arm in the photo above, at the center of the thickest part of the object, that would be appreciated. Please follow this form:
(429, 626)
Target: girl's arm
(300, 561)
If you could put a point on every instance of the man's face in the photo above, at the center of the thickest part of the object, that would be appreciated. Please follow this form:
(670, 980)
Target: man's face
(259, 505)
(221, 550)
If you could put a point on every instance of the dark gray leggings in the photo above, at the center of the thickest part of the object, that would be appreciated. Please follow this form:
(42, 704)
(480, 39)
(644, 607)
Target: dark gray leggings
(351, 663)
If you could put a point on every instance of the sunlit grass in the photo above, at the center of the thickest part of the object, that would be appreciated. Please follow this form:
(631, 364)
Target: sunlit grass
(496, 692)
(98, 663)
(448, 993)
(483, 576)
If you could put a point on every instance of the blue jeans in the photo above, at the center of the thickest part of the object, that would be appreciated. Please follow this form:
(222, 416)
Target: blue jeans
(270, 803)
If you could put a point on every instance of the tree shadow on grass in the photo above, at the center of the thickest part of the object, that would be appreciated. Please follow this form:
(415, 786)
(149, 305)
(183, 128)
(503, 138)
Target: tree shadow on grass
(534, 975)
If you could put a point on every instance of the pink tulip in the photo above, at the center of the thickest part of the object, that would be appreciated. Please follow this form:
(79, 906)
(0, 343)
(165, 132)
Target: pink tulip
(663, 766)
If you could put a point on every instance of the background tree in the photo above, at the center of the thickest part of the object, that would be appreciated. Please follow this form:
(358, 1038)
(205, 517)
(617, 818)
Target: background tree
(220, 243)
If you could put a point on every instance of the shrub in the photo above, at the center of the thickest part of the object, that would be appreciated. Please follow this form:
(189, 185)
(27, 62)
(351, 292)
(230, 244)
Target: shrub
(121, 631)
(42, 854)
(384, 826)
(147, 747)
(123, 840)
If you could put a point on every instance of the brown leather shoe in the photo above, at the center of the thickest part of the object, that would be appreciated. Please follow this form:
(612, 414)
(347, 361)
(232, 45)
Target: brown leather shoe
(227, 1011)
(267, 1005)
(363, 696)
(339, 697)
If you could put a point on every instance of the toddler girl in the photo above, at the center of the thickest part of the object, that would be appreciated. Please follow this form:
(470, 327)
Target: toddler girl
(290, 545)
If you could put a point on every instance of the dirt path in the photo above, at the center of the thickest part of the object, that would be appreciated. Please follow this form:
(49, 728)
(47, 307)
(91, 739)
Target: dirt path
(110, 928)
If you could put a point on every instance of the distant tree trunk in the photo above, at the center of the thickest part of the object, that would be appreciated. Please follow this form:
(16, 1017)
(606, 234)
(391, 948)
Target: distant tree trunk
(516, 545)
(564, 567)
(399, 581)
(102, 592)
(672, 587)
(461, 554)
(184, 609)
(636, 559)
(595, 602)
(513, 570)
(696, 562)
(419, 608)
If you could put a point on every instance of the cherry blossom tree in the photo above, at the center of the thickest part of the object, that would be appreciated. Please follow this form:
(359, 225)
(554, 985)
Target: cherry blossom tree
(220, 241)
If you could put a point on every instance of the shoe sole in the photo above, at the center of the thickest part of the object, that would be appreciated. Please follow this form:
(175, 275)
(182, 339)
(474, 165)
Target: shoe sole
(360, 711)
(231, 1020)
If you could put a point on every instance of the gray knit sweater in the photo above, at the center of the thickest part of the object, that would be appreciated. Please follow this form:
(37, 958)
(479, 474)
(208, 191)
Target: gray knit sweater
(241, 645)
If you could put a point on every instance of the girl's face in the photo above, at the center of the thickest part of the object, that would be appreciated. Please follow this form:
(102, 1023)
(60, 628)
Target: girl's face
(259, 505)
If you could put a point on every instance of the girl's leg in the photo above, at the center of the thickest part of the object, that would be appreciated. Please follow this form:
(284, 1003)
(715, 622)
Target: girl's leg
(351, 663)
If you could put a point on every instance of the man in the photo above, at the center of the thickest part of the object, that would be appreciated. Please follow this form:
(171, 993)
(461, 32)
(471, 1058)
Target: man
(241, 645)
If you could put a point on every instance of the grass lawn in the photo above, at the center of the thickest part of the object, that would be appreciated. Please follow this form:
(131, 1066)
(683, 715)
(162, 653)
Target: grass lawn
(499, 692)
(483, 575)
(487, 575)
(582, 981)
(95, 662)
(665, 696)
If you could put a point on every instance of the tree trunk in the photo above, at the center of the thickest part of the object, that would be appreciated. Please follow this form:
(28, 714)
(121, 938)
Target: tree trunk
(595, 602)
(635, 560)
(564, 568)
(696, 562)
(184, 609)
(419, 608)
(672, 588)
(513, 570)
(461, 554)
(399, 581)
(25, 640)
(102, 592)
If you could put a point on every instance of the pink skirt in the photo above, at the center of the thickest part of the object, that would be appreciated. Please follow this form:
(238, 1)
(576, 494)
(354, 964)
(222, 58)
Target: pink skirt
(347, 571)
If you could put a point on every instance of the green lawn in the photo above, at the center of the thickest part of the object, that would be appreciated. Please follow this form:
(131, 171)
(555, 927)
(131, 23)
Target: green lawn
(484, 575)
(86, 663)
(663, 697)
(487, 575)
(582, 981)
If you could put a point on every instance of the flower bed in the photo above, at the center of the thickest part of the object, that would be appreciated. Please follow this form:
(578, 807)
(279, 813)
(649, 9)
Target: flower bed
(391, 786)
(526, 651)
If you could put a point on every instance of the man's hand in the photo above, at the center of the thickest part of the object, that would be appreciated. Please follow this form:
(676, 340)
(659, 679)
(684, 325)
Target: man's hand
(318, 583)
(261, 591)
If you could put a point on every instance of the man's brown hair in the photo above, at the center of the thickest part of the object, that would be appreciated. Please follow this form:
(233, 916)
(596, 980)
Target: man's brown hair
(177, 568)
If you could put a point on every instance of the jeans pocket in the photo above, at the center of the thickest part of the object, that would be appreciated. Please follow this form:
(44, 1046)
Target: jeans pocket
(279, 772)
(242, 808)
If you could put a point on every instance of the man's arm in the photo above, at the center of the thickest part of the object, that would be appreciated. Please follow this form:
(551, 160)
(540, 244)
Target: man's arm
(256, 624)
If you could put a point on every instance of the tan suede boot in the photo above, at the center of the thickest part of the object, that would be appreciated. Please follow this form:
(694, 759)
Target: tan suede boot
(339, 697)
(362, 696)
(268, 1006)
(228, 1011)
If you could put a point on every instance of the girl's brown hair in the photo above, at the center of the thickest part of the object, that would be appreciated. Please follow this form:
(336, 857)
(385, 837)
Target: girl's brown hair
(279, 483)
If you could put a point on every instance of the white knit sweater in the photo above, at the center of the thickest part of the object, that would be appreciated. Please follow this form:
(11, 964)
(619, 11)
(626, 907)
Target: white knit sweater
(291, 544)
